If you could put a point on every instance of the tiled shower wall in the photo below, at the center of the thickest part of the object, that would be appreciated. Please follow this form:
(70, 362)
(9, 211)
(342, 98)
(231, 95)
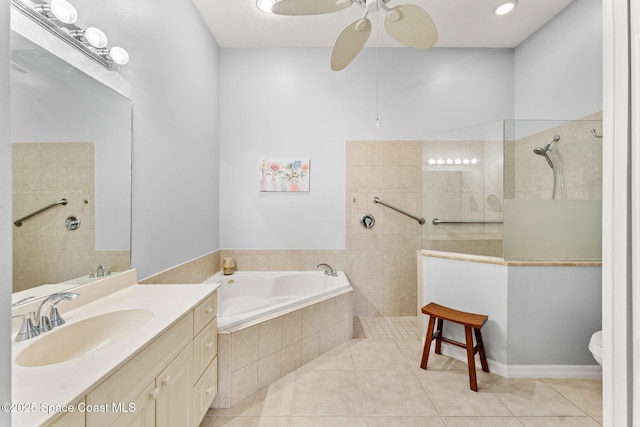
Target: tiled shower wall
(44, 251)
(382, 260)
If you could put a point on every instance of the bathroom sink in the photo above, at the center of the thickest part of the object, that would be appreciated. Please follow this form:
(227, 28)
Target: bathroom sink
(83, 337)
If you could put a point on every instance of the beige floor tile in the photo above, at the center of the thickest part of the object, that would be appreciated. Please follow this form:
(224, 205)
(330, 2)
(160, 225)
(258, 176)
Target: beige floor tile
(336, 358)
(251, 421)
(277, 399)
(533, 398)
(394, 393)
(450, 393)
(329, 421)
(559, 422)
(377, 355)
(482, 422)
(381, 421)
(325, 392)
(585, 393)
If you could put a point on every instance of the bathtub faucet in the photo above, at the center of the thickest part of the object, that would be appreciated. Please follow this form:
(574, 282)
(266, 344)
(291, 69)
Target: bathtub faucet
(327, 269)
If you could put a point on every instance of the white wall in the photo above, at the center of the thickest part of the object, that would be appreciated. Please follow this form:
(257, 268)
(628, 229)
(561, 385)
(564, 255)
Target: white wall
(558, 70)
(5, 215)
(287, 102)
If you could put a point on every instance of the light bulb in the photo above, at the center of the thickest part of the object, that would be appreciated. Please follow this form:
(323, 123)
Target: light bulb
(432, 162)
(63, 11)
(458, 161)
(440, 162)
(95, 37)
(119, 55)
(265, 5)
(506, 7)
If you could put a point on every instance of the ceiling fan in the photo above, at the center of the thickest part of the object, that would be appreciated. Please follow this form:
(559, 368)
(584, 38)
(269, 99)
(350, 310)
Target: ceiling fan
(407, 24)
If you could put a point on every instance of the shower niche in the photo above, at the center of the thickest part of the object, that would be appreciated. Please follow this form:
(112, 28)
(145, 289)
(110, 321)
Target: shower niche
(515, 189)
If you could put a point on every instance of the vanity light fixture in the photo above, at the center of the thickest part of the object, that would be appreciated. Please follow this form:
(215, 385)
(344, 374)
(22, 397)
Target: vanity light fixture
(92, 35)
(505, 7)
(452, 162)
(91, 41)
(61, 10)
(115, 54)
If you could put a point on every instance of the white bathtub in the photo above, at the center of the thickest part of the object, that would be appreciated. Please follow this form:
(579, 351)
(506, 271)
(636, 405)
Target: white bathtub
(245, 297)
(272, 323)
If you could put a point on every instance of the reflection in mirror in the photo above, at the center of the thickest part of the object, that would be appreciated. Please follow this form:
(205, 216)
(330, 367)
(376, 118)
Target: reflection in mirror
(71, 140)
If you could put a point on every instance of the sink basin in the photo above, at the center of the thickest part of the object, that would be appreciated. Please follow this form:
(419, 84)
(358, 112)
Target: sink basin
(82, 338)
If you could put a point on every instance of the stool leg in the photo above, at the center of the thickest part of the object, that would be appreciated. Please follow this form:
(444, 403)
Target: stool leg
(439, 336)
(470, 359)
(483, 355)
(427, 343)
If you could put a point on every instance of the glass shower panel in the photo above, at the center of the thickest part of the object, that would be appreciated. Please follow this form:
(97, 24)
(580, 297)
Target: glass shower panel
(517, 189)
(462, 175)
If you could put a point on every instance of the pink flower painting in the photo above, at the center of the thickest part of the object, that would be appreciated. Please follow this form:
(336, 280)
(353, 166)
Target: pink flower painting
(290, 175)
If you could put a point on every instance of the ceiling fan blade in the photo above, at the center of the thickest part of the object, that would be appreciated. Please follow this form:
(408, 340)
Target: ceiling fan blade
(308, 7)
(349, 43)
(411, 26)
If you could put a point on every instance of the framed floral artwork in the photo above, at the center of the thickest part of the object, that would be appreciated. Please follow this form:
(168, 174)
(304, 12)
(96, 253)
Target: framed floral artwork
(288, 175)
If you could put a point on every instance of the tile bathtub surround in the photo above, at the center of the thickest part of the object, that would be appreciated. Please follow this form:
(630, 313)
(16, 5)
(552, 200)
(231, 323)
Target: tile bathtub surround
(255, 357)
(378, 382)
(194, 271)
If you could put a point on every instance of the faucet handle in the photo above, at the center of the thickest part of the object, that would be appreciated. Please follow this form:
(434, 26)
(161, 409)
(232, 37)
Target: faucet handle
(27, 330)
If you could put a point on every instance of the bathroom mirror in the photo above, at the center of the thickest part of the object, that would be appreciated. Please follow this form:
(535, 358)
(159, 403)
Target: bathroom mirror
(71, 138)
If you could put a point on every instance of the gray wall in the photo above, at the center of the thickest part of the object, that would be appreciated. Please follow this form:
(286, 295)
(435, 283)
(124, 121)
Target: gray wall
(558, 70)
(553, 311)
(5, 214)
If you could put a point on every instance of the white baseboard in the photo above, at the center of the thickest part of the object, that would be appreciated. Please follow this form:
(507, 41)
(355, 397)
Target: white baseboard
(528, 371)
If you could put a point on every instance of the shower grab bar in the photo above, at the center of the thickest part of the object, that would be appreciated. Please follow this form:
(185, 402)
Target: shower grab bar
(437, 221)
(18, 223)
(376, 199)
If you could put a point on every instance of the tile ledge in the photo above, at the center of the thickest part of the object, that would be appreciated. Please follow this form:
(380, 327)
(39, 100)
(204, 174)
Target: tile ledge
(513, 263)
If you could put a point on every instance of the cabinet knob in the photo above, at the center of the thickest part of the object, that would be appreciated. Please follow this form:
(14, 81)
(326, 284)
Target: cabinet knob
(167, 380)
(209, 390)
(209, 346)
(154, 394)
(209, 310)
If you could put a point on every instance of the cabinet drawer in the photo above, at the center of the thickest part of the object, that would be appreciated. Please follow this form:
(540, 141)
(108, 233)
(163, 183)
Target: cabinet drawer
(205, 391)
(129, 381)
(205, 348)
(204, 312)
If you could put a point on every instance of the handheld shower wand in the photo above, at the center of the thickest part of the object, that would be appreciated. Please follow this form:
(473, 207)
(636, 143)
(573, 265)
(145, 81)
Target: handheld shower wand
(543, 151)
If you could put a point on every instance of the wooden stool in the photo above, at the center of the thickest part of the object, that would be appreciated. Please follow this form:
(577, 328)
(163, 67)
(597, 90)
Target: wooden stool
(469, 321)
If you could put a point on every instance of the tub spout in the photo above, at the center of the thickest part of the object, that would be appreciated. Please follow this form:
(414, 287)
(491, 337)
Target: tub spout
(327, 269)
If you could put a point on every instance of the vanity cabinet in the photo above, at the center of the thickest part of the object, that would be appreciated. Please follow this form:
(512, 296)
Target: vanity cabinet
(171, 382)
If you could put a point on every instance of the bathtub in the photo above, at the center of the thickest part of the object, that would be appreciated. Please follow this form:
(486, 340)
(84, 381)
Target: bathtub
(271, 323)
(249, 295)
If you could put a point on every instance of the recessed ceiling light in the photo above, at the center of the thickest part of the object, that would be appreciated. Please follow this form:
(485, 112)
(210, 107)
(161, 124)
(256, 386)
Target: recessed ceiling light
(265, 5)
(505, 7)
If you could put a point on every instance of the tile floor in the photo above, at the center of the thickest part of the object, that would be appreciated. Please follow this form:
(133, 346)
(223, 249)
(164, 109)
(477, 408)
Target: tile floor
(375, 380)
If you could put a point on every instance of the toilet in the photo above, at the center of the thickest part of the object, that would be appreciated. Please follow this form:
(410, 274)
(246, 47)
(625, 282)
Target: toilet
(595, 346)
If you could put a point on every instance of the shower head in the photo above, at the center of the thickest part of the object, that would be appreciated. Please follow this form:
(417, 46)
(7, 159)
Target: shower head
(543, 151)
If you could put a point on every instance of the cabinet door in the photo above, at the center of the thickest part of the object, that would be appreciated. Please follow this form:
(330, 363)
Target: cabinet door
(71, 419)
(139, 413)
(174, 406)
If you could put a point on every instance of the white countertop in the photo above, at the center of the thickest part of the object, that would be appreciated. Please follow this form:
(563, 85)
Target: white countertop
(64, 383)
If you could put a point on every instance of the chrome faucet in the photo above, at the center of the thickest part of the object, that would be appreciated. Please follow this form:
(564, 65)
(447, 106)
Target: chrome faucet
(327, 269)
(34, 324)
(102, 269)
(46, 322)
